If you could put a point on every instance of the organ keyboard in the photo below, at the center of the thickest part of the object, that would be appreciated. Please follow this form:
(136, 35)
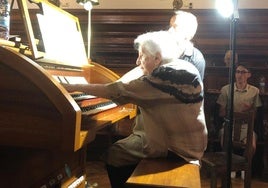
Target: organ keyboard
(93, 106)
(88, 104)
(79, 96)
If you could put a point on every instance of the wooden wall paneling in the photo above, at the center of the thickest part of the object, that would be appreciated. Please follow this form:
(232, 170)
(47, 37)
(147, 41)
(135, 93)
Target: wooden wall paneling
(113, 32)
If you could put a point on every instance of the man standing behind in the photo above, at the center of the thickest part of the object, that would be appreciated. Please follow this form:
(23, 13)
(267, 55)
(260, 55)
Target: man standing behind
(184, 25)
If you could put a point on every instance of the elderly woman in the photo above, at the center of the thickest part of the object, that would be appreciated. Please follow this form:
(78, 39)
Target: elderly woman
(169, 96)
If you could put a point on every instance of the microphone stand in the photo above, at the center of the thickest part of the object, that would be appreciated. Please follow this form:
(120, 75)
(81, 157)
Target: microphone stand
(229, 118)
(88, 5)
(89, 33)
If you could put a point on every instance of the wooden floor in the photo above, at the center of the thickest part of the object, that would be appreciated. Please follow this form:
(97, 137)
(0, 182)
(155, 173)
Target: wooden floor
(97, 177)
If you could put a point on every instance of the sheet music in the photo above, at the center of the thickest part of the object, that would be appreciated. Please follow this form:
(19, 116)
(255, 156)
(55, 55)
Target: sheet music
(70, 79)
(61, 36)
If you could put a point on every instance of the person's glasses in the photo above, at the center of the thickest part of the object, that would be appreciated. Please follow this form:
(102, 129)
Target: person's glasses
(241, 72)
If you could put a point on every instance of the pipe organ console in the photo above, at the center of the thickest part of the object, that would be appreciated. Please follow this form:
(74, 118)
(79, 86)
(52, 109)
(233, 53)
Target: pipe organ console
(44, 129)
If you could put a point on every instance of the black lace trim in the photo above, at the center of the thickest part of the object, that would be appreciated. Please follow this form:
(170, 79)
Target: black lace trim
(178, 77)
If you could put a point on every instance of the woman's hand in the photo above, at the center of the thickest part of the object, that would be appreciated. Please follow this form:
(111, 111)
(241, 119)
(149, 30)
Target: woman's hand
(70, 87)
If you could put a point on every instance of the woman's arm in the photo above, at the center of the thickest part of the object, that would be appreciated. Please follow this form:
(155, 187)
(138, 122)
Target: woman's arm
(92, 89)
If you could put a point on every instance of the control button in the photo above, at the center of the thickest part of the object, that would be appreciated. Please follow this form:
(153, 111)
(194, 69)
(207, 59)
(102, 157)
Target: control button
(52, 182)
(59, 177)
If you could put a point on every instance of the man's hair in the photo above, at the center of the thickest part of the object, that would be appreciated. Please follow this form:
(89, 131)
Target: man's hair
(186, 21)
(243, 65)
(158, 42)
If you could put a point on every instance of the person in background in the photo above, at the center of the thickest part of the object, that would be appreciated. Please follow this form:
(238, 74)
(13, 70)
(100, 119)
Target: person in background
(246, 97)
(228, 57)
(217, 119)
(169, 96)
(183, 25)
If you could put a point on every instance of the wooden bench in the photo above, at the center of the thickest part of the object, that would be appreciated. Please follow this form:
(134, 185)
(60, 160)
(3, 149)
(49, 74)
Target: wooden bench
(164, 173)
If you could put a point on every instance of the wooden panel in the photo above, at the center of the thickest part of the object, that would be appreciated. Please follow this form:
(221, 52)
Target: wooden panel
(113, 32)
(24, 167)
(35, 108)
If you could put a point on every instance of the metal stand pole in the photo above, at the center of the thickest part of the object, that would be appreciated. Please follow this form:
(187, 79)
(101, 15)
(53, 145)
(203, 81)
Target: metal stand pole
(89, 34)
(229, 118)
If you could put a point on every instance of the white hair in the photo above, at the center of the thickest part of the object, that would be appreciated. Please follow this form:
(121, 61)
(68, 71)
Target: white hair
(161, 42)
(186, 22)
